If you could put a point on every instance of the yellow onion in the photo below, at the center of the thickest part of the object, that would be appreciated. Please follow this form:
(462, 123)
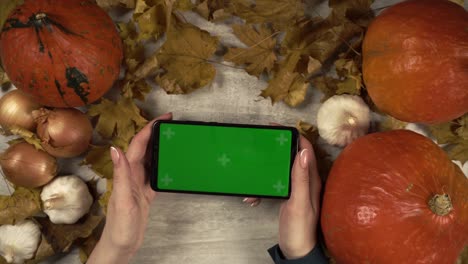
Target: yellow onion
(64, 132)
(16, 108)
(25, 166)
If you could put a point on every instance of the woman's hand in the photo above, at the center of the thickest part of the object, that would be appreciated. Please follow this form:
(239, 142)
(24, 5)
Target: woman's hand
(298, 217)
(129, 203)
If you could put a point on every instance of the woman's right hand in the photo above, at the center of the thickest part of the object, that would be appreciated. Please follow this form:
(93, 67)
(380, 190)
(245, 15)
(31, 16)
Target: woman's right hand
(299, 216)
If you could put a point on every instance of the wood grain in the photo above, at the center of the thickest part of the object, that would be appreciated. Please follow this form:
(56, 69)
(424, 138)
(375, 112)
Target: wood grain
(207, 229)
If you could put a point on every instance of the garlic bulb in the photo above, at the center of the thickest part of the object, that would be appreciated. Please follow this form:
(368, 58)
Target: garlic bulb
(19, 242)
(66, 199)
(343, 118)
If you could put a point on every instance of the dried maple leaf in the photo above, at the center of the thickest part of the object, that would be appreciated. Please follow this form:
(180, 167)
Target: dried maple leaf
(154, 21)
(5, 82)
(106, 4)
(136, 89)
(27, 136)
(104, 199)
(260, 55)
(327, 85)
(208, 8)
(459, 151)
(357, 11)
(280, 12)
(44, 251)
(444, 133)
(6, 6)
(391, 123)
(313, 66)
(121, 118)
(287, 86)
(184, 58)
(324, 162)
(62, 236)
(461, 3)
(134, 50)
(22, 204)
(462, 127)
(98, 157)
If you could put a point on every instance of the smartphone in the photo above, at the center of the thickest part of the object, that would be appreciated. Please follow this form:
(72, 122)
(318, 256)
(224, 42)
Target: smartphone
(223, 159)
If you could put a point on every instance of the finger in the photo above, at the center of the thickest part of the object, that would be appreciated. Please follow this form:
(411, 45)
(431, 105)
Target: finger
(315, 184)
(300, 180)
(150, 194)
(252, 201)
(121, 178)
(137, 149)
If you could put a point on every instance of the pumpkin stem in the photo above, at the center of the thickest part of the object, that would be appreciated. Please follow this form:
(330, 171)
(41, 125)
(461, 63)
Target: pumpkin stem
(440, 204)
(40, 16)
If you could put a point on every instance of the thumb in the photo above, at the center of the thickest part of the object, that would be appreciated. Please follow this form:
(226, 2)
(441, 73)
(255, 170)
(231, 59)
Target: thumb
(300, 180)
(122, 172)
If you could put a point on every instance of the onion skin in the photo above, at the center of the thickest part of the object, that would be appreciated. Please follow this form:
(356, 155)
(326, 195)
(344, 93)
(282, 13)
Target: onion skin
(64, 132)
(25, 166)
(16, 109)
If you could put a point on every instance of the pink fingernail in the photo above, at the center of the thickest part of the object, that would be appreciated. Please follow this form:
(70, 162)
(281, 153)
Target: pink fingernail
(304, 158)
(245, 200)
(114, 155)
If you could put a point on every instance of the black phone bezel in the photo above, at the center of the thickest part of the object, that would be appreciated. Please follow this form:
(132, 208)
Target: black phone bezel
(154, 154)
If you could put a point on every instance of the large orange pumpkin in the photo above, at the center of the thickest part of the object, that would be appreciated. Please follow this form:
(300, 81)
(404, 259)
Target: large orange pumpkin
(395, 197)
(65, 53)
(415, 61)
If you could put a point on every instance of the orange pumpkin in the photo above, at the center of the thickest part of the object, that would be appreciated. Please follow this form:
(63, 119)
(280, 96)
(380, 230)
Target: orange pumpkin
(64, 53)
(415, 61)
(395, 197)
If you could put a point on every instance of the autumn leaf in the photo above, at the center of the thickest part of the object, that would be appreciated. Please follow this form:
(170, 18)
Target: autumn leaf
(280, 12)
(462, 127)
(134, 50)
(184, 58)
(121, 119)
(444, 133)
(327, 85)
(44, 251)
(87, 245)
(461, 3)
(357, 11)
(106, 4)
(208, 8)
(27, 136)
(5, 82)
(104, 199)
(463, 258)
(150, 65)
(391, 123)
(62, 236)
(324, 161)
(136, 89)
(260, 55)
(313, 66)
(22, 204)
(98, 157)
(154, 21)
(459, 151)
(288, 87)
(6, 7)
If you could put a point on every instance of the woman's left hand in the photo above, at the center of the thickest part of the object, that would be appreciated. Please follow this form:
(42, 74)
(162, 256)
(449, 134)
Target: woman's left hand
(129, 203)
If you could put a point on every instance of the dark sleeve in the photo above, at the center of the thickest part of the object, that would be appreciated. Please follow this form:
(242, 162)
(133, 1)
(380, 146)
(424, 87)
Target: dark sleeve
(315, 256)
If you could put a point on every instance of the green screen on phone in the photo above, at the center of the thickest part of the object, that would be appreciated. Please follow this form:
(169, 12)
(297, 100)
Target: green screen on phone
(227, 159)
